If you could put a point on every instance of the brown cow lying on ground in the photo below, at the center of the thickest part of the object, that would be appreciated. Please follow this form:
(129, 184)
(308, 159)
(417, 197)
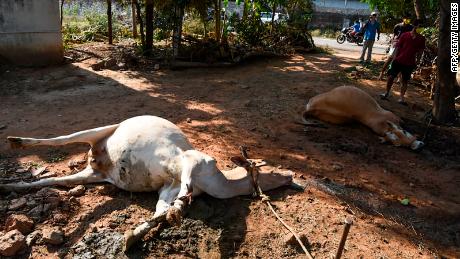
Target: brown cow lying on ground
(348, 103)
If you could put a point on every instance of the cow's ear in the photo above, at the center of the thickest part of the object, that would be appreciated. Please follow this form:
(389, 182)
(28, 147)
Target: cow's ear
(240, 161)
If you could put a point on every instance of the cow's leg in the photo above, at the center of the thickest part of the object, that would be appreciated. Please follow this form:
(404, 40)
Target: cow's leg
(167, 194)
(90, 136)
(88, 175)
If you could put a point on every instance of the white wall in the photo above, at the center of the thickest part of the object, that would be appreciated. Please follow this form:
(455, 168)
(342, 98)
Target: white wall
(30, 32)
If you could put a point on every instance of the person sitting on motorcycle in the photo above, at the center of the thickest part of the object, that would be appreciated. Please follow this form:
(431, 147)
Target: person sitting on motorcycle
(356, 28)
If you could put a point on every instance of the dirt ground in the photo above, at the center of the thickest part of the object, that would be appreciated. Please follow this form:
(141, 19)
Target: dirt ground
(346, 170)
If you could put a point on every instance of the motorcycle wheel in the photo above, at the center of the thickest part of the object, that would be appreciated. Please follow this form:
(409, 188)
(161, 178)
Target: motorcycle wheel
(341, 39)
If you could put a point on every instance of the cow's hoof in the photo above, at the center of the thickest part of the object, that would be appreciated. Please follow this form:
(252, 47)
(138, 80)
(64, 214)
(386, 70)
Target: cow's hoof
(15, 142)
(174, 216)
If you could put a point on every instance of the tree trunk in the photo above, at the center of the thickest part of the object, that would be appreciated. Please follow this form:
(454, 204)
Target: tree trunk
(418, 10)
(217, 7)
(273, 16)
(245, 9)
(133, 15)
(177, 32)
(148, 25)
(444, 97)
(109, 20)
(141, 23)
(62, 11)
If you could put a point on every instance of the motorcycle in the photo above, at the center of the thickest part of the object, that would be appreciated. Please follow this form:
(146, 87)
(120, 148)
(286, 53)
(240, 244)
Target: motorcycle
(346, 36)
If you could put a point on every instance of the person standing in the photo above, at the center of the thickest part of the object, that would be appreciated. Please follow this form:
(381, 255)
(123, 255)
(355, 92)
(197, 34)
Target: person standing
(370, 29)
(398, 30)
(408, 46)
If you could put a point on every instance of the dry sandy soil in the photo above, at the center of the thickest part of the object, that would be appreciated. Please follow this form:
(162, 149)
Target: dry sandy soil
(345, 169)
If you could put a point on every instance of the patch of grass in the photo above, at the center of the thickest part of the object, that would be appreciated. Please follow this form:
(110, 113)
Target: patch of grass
(374, 68)
(345, 77)
(326, 32)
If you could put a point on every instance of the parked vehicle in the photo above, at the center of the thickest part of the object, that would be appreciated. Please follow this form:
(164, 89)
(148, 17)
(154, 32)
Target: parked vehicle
(346, 35)
(267, 17)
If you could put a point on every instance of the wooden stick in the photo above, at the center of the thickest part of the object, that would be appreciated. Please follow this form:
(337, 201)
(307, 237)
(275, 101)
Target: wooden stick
(346, 229)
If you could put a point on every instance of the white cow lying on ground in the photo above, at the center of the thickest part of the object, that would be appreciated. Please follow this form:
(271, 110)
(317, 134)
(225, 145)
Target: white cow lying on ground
(148, 153)
(348, 103)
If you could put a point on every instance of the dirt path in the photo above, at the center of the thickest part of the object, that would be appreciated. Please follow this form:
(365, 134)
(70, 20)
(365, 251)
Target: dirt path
(346, 170)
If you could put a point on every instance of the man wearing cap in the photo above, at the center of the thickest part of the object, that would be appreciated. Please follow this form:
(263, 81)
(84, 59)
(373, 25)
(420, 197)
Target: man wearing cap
(398, 30)
(371, 27)
(408, 46)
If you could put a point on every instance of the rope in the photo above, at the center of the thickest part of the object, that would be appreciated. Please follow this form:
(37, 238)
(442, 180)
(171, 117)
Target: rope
(427, 128)
(266, 199)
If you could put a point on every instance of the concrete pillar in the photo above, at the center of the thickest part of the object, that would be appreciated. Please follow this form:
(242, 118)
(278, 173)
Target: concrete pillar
(30, 32)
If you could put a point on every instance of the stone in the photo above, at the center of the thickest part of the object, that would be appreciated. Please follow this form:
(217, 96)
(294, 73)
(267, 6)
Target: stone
(11, 243)
(60, 218)
(53, 201)
(37, 171)
(36, 212)
(101, 244)
(47, 191)
(31, 203)
(32, 238)
(77, 191)
(53, 236)
(17, 203)
(107, 189)
(19, 222)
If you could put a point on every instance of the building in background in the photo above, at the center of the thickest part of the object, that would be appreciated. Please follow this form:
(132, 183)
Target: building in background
(30, 32)
(338, 13)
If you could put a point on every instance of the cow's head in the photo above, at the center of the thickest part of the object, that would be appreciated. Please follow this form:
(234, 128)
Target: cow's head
(399, 137)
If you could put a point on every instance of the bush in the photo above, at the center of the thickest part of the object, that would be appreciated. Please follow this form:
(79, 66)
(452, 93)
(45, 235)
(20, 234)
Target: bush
(325, 32)
(250, 30)
(193, 24)
(92, 25)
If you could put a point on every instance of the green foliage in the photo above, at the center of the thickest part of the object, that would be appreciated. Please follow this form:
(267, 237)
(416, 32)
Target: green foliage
(391, 11)
(300, 12)
(164, 21)
(431, 36)
(250, 30)
(97, 25)
(93, 26)
(193, 24)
